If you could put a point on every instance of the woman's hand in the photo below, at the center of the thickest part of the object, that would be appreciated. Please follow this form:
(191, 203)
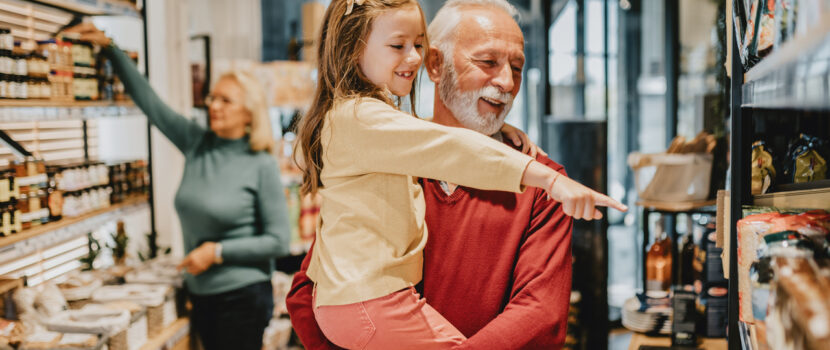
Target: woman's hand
(89, 33)
(200, 259)
(519, 138)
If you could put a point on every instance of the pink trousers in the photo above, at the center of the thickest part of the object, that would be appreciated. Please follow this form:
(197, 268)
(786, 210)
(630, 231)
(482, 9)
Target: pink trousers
(401, 320)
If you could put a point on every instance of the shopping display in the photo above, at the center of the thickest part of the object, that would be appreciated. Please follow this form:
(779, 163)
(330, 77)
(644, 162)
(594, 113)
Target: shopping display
(93, 309)
(782, 256)
(33, 192)
(764, 25)
(803, 160)
(57, 69)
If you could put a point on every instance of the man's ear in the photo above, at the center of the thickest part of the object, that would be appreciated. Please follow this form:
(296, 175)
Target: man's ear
(434, 63)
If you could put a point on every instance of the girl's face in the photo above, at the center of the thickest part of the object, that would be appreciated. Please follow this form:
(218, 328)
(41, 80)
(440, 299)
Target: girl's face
(394, 50)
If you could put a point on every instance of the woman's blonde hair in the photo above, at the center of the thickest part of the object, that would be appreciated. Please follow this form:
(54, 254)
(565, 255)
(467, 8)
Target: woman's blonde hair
(342, 41)
(260, 134)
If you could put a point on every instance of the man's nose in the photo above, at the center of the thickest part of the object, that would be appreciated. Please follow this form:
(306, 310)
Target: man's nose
(503, 79)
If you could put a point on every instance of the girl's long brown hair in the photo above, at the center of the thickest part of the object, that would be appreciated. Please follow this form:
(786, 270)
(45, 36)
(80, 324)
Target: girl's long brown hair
(342, 41)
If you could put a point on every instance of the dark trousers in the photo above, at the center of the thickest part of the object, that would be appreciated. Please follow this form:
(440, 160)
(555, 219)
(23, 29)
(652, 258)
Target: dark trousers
(234, 319)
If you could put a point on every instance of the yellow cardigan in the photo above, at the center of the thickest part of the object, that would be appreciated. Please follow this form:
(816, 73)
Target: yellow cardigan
(371, 233)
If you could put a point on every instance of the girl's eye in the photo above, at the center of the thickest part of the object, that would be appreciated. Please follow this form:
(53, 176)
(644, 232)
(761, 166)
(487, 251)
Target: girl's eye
(396, 47)
(419, 46)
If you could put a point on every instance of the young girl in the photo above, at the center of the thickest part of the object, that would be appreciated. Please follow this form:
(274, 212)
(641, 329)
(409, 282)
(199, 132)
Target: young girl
(363, 156)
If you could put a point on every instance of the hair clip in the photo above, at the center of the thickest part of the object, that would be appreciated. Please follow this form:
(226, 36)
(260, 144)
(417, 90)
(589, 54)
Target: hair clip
(350, 4)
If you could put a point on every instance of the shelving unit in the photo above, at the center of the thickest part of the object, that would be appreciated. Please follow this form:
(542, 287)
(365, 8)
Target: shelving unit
(795, 77)
(67, 224)
(94, 7)
(57, 130)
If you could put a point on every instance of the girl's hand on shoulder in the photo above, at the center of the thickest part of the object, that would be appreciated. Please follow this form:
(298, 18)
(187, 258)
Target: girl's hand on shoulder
(519, 138)
(200, 259)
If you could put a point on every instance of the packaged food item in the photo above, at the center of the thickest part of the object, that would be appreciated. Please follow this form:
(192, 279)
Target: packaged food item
(751, 231)
(807, 156)
(763, 171)
(800, 313)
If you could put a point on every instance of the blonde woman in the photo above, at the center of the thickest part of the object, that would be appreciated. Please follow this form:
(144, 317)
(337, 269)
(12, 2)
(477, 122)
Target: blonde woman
(230, 201)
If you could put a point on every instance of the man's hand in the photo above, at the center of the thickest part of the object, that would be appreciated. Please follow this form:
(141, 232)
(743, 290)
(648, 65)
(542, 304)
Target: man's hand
(200, 259)
(89, 33)
(519, 138)
(579, 201)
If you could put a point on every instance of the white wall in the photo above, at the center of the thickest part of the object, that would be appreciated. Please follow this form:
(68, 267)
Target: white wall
(168, 41)
(234, 26)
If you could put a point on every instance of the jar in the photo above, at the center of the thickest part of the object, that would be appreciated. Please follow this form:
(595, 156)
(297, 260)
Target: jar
(4, 86)
(23, 87)
(6, 62)
(33, 88)
(6, 178)
(45, 88)
(6, 39)
(22, 209)
(43, 206)
(54, 196)
(21, 67)
(14, 87)
(6, 210)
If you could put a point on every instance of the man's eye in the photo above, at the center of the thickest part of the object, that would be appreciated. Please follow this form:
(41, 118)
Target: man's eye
(489, 63)
(517, 69)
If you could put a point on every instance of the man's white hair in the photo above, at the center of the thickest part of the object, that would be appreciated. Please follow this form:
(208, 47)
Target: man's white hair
(442, 28)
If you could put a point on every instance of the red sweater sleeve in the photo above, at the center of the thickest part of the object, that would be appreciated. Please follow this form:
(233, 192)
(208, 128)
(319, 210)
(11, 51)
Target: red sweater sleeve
(536, 315)
(300, 310)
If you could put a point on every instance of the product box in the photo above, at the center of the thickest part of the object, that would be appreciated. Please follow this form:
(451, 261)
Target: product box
(684, 318)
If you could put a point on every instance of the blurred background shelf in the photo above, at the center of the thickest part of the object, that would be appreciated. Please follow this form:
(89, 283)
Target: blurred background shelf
(794, 76)
(94, 7)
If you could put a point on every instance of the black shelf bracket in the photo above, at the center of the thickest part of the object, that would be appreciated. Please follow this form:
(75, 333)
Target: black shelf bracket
(15, 147)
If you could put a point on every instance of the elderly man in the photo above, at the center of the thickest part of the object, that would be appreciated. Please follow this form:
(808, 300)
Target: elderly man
(497, 265)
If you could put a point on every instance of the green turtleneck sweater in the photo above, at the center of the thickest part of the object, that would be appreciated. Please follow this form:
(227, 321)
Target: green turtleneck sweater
(228, 193)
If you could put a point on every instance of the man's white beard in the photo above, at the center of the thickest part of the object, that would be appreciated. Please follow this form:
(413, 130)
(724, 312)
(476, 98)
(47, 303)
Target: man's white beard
(464, 105)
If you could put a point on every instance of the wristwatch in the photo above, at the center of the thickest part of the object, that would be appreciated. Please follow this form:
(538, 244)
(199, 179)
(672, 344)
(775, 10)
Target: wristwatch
(217, 254)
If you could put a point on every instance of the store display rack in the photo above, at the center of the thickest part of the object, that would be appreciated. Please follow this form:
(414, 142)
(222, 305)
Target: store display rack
(94, 7)
(34, 20)
(795, 77)
(46, 235)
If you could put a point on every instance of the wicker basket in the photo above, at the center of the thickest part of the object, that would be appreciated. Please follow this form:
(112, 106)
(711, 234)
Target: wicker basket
(161, 316)
(134, 336)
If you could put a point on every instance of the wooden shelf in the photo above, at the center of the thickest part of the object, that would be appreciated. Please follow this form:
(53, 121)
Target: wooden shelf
(676, 206)
(818, 198)
(94, 7)
(175, 336)
(52, 226)
(63, 104)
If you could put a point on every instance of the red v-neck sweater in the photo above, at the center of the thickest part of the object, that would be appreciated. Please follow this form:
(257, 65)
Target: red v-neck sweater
(497, 265)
